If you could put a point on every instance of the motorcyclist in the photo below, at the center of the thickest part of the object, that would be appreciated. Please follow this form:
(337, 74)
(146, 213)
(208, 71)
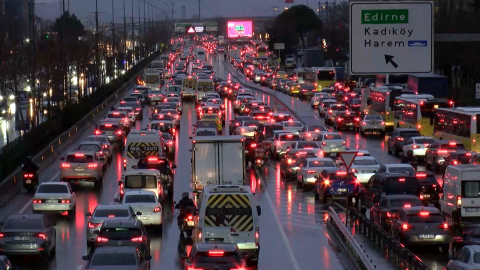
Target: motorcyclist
(29, 166)
(182, 204)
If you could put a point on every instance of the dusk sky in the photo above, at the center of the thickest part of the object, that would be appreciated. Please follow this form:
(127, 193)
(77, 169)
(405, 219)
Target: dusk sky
(209, 8)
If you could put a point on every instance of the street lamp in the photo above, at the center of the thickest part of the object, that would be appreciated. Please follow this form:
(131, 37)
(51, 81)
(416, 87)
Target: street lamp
(27, 40)
(12, 96)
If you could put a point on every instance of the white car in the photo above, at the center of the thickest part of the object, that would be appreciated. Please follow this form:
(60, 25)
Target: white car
(331, 143)
(323, 105)
(372, 123)
(106, 145)
(311, 145)
(396, 168)
(247, 128)
(290, 63)
(130, 114)
(465, 258)
(364, 167)
(54, 197)
(317, 97)
(282, 140)
(311, 168)
(145, 202)
(292, 126)
(332, 112)
(418, 145)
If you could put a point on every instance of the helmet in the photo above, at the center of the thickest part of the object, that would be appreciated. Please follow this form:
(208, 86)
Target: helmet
(185, 195)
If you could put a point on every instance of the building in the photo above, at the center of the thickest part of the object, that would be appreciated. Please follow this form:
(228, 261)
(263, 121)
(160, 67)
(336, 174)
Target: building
(15, 17)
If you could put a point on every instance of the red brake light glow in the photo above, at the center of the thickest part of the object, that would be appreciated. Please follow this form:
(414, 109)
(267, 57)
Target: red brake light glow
(216, 253)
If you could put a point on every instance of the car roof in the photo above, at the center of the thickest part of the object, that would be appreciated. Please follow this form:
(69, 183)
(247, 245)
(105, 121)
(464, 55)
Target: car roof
(54, 184)
(399, 165)
(400, 196)
(228, 247)
(81, 152)
(25, 216)
(90, 142)
(139, 172)
(112, 206)
(365, 158)
(115, 249)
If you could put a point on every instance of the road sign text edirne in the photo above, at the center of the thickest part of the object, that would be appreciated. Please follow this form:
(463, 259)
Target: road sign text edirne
(394, 37)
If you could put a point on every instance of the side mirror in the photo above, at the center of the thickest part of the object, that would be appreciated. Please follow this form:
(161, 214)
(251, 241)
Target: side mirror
(174, 166)
(96, 232)
(85, 257)
(120, 183)
(259, 210)
(88, 214)
(148, 257)
(138, 213)
(62, 159)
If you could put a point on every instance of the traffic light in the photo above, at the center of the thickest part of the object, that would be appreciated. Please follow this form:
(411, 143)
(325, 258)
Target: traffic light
(47, 36)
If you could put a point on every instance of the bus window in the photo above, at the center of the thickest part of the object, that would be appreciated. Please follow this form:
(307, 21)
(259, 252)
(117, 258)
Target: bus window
(326, 75)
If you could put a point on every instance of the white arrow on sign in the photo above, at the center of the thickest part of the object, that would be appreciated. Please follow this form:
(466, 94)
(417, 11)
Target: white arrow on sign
(347, 158)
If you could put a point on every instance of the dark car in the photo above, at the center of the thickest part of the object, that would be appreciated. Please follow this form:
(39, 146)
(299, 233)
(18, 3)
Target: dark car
(265, 131)
(307, 90)
(28, 234)
(236, 122)
(130, 233)
(388, 206)
(456, 158)
(346, 121)
(117, 257)
(214, 256)
(397, 140)
(430, 192)
(334, 183)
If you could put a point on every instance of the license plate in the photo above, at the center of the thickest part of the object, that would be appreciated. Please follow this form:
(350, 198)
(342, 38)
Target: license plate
(213, 241)
(28, 181)
(21, 238)
(52, 201)
(349, 124)
(142, 218)
(246, 151)
(191, 223)
(426, 195)
(79, 169)
(472, 209)
(426, 236)
(342, 190)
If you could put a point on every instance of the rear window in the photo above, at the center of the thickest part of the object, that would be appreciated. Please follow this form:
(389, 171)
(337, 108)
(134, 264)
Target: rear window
(307, 145)
(206, 133)
(116, 115)
(79, 159)
(204, 258)
(321, 163)
(130, 99)
(476, 257)
(108, 127)
(111, 213)
(210, 116)
(402, 169)
(97, 139)
(470, 189)
(364, 162)
(290, 138)
(206, 124)
(140, 198)
(210, 110)
(113, 259)
(23, 224)
(140, 181)
(401, 184)
(373, 117)
(173, 100)
(431, 218)
(263, 114)
(166, 136)
(89, 147)
(429, 179)
(457, 146)
(52, 189)
(250, 123)
(339, 107)
(120, 233)
(292, 124)
(422, 141)
(332, 137)
(414, 201)
(410, 133)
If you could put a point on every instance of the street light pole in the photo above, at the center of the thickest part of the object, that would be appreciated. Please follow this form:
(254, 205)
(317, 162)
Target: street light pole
(199, 10)
(97, 50)
(133, 36)
(113, 40)
(124, 36)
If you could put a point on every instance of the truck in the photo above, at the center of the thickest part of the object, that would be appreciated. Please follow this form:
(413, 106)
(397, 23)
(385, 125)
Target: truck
(152, 78)
(221, 40)
(312, 58)
(432, 84)
(217, 160)
(234, 54)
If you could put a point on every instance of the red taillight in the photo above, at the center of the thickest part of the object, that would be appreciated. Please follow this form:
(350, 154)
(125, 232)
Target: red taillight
(121, 189)
(442, 151)
(119, 132)
(343, 143)
(137, 239)
(443, 226)
(65, 201)
(401, 179)
(92, 225)
(97, 132)
(42, 235)
(452, 143)
(341, 173)
(216, 253)
(1, 235)
(157, 209)
(324, 143)
(257, 236)
(389, 215)
(459, 201)
(28, 175)
(399, 139)
(407, 227)
(65, 165)
(424, 213)
(92, 165)
(383, 123)
(102, 239)
(407, 205)
(421, 175)
(37, 201)
(312, 171)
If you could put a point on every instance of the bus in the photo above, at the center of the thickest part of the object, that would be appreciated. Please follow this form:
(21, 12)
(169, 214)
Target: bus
(262, 51)
(382, 79)
(380, 101)
(461, 123)
(323, 77)
(417, 111)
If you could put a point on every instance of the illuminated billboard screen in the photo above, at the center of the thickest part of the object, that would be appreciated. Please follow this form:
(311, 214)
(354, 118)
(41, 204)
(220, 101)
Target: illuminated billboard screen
(239, 29)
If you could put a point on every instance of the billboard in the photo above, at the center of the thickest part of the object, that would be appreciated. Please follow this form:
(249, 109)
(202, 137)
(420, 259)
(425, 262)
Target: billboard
(239, 29)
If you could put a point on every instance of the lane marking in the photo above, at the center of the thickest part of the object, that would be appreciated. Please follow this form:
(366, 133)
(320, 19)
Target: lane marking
(80, 267)
(30, 201)
(303, 226)
(282, 232)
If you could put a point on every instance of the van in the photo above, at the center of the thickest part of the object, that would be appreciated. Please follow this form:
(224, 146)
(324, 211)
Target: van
(200, 54)
(229, 214)
(204, 86)
(141, 179)
(189, 87)
(460, 201)
(142, 143)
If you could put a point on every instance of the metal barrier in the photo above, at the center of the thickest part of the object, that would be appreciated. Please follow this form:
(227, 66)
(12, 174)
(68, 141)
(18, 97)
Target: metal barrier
(13, 184)
(347, 242)
(399, 256)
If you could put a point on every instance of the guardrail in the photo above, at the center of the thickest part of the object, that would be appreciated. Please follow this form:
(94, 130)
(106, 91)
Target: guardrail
(13, 184)
(399, 256)
(347, 242)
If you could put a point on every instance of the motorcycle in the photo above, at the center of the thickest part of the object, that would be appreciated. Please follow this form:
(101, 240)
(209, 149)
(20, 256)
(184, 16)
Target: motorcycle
(259, 156)
(30, 181)
(189, 221)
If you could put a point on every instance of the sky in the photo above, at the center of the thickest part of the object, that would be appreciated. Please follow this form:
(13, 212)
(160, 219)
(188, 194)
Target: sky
(209, 8)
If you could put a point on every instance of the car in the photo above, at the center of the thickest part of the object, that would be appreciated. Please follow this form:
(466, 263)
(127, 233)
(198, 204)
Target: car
(163, 125)
(334, 183)
(456, 158)
(439, 150)
(397, 140)
(122, 117)
(290, 162)
(161, 164)
(175, 100)
(280, 116)
(418, 145)
(281, 141)
(310, 169)
(206, 132)
(174, 113)
(112, 130)
(292, 126)
(54, 197)
(431, 189)
(147, 203)
(290, 63)
(247, 128)
(371, 123)
(331, 143)
(333, 111)
(421, 226)
(117, 257)
(83, 166)
(169, 141)
(106, 212)
(363, 167)
(388, 207)
(123, 233)
(36, 233)
(96, 147)
(212, 255)
(324, 104)
(346, 120)
(396, 168)
(307, 90)
(106, 146)
(465, 258)
(310, 133)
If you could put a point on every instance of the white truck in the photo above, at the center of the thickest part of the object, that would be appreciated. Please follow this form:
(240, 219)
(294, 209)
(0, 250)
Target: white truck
(234, 54)
(217, 160)
(153, 78)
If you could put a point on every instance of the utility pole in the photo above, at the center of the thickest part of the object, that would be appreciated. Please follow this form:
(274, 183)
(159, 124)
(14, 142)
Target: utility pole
(199, 10)
(124, 36)
(113, 44)
(97, 50)
(173, 3)
(184, 12)
(133, 35)
(63, 7)
(144, 17)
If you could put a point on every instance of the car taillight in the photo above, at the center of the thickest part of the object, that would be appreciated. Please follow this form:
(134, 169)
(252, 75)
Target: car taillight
(330, 111)
(343, 143)
(407, 227)
(399, 139)
(199, 233)
(311, 171)
(121, 189)
(92, 225)
(28, 175)
(339, 119)
(257, 236)
(42, 235)
(389, 215)
(37, 201)
(65, 165)
(65, 201)
(102, 239)
(414, 146)
(443, 226)
(157, 209)
(324, 143)
(137, 239)
(289, 161)
(92, 165)
(119, 132)
(97, 132)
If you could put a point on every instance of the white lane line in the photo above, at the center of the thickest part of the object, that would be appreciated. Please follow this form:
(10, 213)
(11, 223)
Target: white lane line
(302, 225)
(30, 201)
(80, 267)
(282, 232)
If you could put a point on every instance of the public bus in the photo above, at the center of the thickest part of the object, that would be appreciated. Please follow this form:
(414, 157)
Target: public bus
(382, 79)
(417, 111)
(462, 123)
(380, 101)
(323, 77)
(262, 51)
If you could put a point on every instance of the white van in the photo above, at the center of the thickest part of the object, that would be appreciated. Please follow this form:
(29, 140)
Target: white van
(189, 87)
(141, 179)
(201, 55)
(142, 143)
(204, 86)
(229, 214)
(460, 201)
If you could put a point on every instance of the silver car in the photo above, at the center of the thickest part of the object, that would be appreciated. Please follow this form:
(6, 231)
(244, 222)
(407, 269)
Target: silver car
(55, 197)
(372, 123)
(292, 126)
(96, 147)
(363, 167)
(418, 145)
(317, 97)
(332, 143)
(311, 168)
(247, 128)
(323, 105)
(106, 212)
(81, 166)
(169, 141)
(145, 202)
(106, 146)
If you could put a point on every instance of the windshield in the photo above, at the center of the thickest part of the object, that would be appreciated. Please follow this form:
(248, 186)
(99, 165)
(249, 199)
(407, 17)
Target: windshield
(430, 218)
(52, 189)
(332, 137)
(426, 140)
(402, 169)
(364, 162)
(111, 259)
(326, 75)
(413, 201)
(307, 145)
(292, 124)
(373, 117)
(140, 181)
(140, 198)
(318, 163)
(89, 147)
(411, 133)
(206, 124)
(111, 213)
(206, 133)
(290, 138)
(401, 185)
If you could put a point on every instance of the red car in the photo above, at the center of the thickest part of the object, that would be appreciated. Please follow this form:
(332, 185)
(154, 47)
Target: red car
(346, 120)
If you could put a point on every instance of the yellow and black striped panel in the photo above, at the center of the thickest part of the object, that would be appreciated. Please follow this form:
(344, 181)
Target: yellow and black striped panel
(189, 83)
(229, 210)
(138, 149)
(205, 86)
(152, 79)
